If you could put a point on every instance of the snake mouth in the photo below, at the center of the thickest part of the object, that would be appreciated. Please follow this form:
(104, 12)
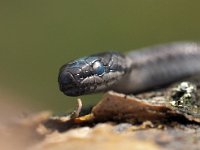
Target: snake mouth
(66, 82)
(68, 85)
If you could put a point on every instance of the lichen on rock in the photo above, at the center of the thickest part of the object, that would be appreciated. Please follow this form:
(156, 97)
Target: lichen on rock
(184, 97)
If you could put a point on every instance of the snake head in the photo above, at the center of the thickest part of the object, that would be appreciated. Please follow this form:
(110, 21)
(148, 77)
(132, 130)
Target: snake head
(91, 74)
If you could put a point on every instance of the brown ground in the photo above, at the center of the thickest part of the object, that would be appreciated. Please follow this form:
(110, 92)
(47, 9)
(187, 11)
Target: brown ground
(116, 122)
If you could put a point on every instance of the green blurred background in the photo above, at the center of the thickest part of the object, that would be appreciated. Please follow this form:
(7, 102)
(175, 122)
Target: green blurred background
(37, 37)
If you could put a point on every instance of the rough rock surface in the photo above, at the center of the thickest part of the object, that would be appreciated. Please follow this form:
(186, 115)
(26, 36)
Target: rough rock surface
(160, 119)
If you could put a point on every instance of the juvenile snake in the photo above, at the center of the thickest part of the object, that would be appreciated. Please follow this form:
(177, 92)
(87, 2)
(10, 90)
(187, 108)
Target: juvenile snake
(134, 72)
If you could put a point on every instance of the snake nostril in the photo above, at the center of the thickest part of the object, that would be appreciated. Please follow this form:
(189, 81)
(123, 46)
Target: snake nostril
(66, 81)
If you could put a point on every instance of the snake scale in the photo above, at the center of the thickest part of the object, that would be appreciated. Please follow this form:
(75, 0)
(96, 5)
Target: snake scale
(133, 72)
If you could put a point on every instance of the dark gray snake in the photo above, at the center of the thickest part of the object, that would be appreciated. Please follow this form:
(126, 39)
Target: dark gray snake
(134, 72)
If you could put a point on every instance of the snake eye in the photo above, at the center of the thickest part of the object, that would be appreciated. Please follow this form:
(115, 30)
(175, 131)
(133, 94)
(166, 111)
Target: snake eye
(98, 68)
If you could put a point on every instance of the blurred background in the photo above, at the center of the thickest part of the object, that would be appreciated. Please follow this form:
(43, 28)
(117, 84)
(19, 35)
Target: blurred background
(37, 37)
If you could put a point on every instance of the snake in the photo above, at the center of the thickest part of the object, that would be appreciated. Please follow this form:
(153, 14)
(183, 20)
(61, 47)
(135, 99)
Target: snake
(130, 73)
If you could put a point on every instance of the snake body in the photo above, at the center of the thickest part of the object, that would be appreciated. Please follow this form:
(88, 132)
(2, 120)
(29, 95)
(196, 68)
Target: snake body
(134, 72)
